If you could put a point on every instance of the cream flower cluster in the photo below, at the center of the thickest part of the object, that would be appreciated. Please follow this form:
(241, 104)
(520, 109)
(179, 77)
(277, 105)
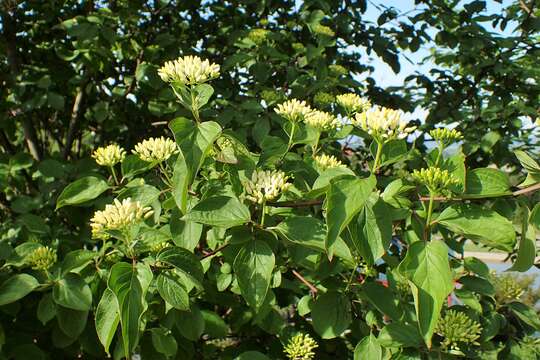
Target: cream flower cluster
(321, 120)
(155, 149)
(266, 185)
(352, 103)
(188, 70)
(293, 110)
(109, 155)
(383, 124)
(300, 347)
(118, 216)
(445, 136)
(42, 258)
(324, 162)
(434, 178)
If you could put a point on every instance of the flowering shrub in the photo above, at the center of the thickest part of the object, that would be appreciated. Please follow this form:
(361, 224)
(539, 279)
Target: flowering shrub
(209, 246)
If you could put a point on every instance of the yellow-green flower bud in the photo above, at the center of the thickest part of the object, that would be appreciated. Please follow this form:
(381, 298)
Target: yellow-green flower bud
(266, 185)
(258, 36)
(383, 124)
(155, 149)
(298, 47)
(457, 328)
(434, 178)
(323, 30)
(324, 162)
(323, 99)
(293, 110)
(270, 96)
(445, 136)
(353, 103)
(159, 246)
(507, 289)
(109, 155)
(337, 70)
(321, 120)
(300, 347)
(117, 216)
(188, 70)
(42, 258)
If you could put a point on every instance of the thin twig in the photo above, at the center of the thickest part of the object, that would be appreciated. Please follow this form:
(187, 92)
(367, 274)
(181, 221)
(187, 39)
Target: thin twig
(312, 288)
(295, 204)
(213, 252)
(75, 115)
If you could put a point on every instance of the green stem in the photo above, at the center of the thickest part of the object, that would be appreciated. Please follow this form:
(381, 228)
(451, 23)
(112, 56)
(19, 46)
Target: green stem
(194, 106)
(316, 146)
(351, 278)
(263, 212)
(164, 172)
(428, 217)
(439, 155)
(113, 172)
(291, 136)
(378, 155)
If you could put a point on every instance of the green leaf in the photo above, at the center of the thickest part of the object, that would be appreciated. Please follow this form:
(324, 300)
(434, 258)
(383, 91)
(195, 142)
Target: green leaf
(392, 152)
(77, 259)
(46, 310)
(203, 93)
(331, 313)
(427, 268)
(17, 287)
(107, 318)
(486, 182)
(221, 211)
(477, 285)
(368, 348)
(133, 165)
(81, 191)
(164, 342)
(195, 141)
(71, 322)
(310, 232)
(479, 224)
(527, 245)
(72, 292)
(372, 232)
(534, 218)
(526, 314)
(399, 335)
(253, 268)
(323, 181)
(191, 323)
(125, 284)
(214, 325)
(382, 299)
(171, 289)
(184, 261)
(185, 234)
(345, 197)
(531, 166)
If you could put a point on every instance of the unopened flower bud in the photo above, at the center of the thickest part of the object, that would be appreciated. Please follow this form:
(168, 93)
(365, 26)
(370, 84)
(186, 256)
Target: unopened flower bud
(155, 149)
(266, 185)
(457, 328)
(42, 258)
(188, 70)
(300, 347)
(109, 155)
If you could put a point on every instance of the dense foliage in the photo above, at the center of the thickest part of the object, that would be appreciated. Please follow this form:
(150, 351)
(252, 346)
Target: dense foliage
(193, 208)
